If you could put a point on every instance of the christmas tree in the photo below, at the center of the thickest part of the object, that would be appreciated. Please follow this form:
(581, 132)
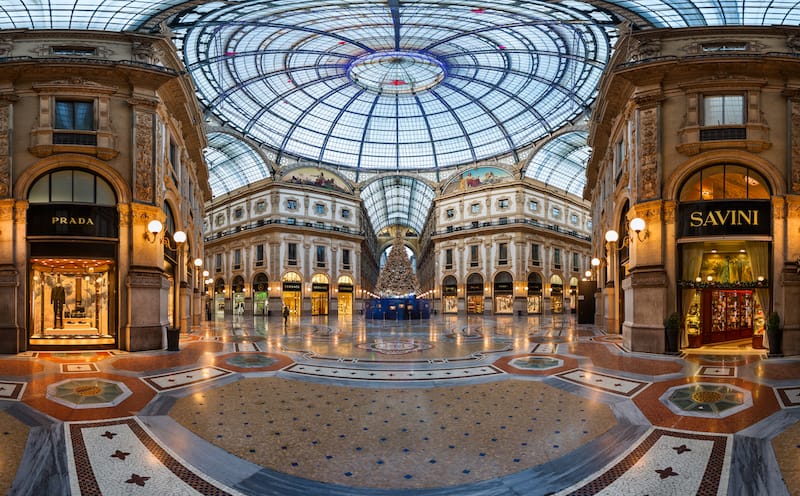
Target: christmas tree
(397, 277)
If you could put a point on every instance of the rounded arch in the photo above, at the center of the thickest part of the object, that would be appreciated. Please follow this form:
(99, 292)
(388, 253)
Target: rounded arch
(292, 276)
(237, 285)
(72, 161)
(219, 285)
(260, 282)
(672, 187)
(503, 276)
(75, 186)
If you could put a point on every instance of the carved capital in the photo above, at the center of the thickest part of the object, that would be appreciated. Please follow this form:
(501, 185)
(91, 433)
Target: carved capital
(778, 208)
(669, 208)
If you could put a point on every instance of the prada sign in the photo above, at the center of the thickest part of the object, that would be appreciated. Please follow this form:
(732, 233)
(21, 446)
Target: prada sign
(69, 219)
(719, 218)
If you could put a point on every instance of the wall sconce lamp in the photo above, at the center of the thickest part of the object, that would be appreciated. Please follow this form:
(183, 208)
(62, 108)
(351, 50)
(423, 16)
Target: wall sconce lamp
(154, 228)
(637, 225)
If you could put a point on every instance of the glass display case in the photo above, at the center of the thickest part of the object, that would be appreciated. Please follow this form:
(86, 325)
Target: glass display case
(728, 314)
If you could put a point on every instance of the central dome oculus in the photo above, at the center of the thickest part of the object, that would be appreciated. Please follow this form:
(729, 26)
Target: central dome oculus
(396, 72)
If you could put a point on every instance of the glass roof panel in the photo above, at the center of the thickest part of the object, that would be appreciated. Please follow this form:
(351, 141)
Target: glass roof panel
(103, 15)
(232, 163)
(398, 86)
(400, 200)
(561, 162)
(428, 84)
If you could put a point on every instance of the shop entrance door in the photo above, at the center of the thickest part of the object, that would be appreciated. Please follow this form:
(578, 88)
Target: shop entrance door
(727, 315)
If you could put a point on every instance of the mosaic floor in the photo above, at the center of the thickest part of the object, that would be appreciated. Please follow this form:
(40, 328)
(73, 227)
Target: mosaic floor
(454, 406)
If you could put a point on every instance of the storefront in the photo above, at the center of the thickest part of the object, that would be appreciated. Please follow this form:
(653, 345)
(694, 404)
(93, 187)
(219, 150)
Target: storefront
(344, 299)
(320, 294)
(556, 294)
(292, 293)
(475, 294)
(73, 234)
(503, 293)
(725, 232)
(260, 294)
(219, 297)
(534, 293)
(573, 294)
(450, 295)
(238, 295)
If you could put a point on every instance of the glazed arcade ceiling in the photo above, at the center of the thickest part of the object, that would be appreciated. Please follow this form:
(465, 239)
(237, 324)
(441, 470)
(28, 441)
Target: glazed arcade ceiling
(393, 87)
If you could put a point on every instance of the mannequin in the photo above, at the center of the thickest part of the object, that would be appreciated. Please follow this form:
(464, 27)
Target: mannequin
(57, 298)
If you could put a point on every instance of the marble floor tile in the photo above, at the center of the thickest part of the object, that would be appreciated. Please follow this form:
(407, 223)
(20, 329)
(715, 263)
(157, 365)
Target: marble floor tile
(477, 406)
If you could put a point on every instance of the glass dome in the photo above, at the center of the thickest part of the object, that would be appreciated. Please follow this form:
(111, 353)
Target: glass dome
(394, 86)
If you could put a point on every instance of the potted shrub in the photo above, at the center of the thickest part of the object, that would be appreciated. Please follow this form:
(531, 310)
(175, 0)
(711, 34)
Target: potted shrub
(774, 333)
(671, 327)
(693, 327)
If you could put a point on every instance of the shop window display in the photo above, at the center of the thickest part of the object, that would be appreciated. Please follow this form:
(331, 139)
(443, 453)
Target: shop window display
(70, 300)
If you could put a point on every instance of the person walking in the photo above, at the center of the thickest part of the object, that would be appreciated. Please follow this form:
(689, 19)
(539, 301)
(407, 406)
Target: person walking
(285, 312)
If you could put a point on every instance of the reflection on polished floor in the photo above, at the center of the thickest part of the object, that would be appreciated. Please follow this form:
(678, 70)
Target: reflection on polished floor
(478, 406)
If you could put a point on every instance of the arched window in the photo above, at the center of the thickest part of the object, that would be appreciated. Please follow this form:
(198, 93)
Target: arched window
(72, 186)
(725, 182)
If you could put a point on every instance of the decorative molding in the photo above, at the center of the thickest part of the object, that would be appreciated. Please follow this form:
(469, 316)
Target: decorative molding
(147, 53)
(146, 279)
(5, 151)
(644, 49)
(649, 277)
(793, 42)
(46, 50)
(7, 211)
(6, 47)
(124, 215)
(648, 154)
(795, 146)
(669, 212)
(9, 276)
(75, 84)
(144, 189)
(779, 208)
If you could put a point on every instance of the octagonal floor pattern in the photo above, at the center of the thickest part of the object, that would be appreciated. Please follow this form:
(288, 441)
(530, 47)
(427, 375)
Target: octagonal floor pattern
(451, 406)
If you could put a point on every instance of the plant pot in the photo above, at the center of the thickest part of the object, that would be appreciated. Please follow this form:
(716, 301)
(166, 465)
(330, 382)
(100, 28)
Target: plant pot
(173, 336)
(775, 336)
(758, 341)
(672, 340)
(695, 340)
